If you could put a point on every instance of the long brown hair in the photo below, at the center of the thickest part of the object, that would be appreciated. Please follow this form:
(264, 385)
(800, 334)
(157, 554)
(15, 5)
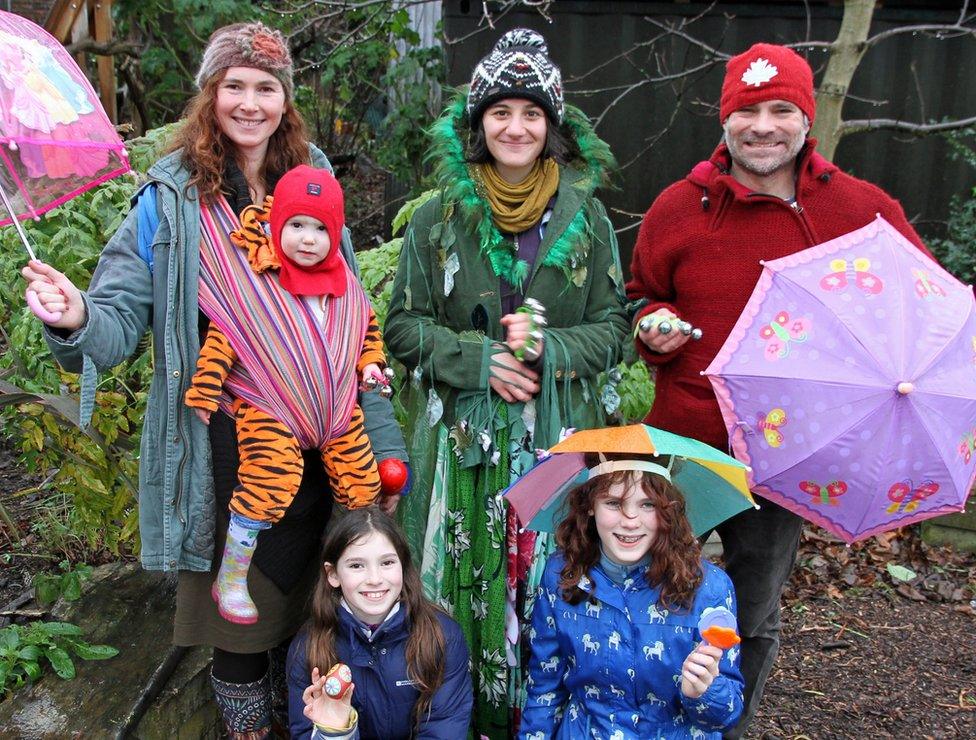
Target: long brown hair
(675, 552)
(425, 646)
(205, 148)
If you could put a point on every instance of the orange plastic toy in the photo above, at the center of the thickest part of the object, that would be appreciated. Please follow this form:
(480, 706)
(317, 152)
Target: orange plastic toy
(717, 626)
(721, 637)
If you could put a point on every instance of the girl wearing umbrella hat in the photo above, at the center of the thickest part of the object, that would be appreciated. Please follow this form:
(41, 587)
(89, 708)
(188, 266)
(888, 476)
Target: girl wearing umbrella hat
(618, 615)
(506, 307)
(241, 133)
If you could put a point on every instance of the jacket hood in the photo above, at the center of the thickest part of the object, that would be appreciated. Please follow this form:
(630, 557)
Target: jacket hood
(713, 175)
(588, 169)
(449, 132)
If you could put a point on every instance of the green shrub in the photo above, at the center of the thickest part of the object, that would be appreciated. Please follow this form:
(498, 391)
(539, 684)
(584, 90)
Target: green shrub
(25, 649)
(957, 251)
(90, 504)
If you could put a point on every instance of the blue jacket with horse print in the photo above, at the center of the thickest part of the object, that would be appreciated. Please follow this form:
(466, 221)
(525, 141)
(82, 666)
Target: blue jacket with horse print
(609, 668)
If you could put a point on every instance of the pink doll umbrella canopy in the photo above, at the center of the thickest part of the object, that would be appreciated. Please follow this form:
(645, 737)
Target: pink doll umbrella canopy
(55, 140)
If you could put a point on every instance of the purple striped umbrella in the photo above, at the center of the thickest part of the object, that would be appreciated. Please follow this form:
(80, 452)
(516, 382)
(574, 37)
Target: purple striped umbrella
(848, 384)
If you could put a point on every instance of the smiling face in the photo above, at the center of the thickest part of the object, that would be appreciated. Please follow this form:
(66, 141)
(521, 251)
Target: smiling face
(305, 240)
(626, 520)
(515, 134)
(249, 107)
(765, 138)
(370, 576)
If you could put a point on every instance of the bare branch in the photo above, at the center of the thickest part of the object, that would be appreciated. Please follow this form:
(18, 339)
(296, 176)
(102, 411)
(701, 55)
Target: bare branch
(104, 48)
(650, 81)
(939, 30)
(671, 30)
(892, 124)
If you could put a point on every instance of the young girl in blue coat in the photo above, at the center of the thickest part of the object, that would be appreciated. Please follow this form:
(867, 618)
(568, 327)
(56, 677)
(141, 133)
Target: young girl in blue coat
(616, 651)
(409, 660)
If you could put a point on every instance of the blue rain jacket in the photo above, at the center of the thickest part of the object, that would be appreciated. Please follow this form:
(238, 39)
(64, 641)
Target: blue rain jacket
(610, 668)
(384, 695)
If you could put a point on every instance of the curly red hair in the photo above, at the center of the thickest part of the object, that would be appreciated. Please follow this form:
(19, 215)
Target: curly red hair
(675, 552)
(205, 147)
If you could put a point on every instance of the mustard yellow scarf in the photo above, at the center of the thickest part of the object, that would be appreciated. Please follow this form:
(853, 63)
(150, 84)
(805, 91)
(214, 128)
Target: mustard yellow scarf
(516, 208)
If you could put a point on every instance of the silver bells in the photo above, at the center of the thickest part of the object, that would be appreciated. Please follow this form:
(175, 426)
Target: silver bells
(666, 326)
(383, 382)
(529, 352)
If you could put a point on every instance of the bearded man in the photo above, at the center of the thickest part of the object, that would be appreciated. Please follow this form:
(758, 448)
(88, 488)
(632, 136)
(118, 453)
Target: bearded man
(763, 194)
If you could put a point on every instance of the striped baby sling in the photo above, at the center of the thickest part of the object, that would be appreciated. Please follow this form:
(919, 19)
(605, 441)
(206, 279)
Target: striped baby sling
(300, 370)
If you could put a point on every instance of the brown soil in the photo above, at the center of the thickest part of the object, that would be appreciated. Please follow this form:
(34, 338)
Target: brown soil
(865, 656)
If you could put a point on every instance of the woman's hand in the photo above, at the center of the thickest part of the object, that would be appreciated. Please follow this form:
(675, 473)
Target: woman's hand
(511, 379)
(55, 294)
(699, 670)
(322, 709)
(518, 330)
(658, 342)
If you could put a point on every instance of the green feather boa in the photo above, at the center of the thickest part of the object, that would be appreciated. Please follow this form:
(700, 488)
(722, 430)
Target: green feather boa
(458, 189)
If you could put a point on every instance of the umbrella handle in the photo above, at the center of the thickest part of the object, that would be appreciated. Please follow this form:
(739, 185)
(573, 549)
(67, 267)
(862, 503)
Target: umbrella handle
(39, 311)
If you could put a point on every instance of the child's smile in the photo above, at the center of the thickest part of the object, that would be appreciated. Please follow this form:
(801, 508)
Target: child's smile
(370, 576)
(627, 521)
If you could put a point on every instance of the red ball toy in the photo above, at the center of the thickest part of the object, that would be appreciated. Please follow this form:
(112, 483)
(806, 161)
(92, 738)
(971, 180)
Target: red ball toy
(393, 475)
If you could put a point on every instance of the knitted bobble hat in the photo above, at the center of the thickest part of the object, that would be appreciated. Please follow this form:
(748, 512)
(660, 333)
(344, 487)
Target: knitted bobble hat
(248, 45)
(308, 191)
(767, 72)
(518, 67)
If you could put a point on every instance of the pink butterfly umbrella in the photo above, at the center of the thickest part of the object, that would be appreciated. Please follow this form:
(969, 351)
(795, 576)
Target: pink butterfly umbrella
(55, 140)
(848, 384)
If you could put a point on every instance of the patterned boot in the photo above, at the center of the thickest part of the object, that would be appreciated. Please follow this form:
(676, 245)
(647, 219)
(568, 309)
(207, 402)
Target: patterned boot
(279, 690)
(244, 707)
(230, 589)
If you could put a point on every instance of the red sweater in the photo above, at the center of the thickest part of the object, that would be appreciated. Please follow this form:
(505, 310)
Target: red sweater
(698, 253)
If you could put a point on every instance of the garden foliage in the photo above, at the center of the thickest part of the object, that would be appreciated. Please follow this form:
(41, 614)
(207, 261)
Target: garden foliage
(24, 650)
(363, 82)
(957, 251)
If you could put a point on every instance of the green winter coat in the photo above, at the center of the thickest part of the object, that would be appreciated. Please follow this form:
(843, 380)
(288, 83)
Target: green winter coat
(577, 277)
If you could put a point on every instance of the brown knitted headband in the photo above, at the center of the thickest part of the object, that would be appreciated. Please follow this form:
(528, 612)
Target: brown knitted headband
(247, 45)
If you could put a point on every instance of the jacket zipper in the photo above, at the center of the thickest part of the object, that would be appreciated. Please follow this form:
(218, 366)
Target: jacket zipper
(178, 435)
(799, 213)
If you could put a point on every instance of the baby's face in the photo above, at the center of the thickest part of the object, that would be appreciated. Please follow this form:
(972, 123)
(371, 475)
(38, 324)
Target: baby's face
(305, 240)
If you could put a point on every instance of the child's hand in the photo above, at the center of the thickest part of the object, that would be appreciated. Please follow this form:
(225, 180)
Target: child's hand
(699, 670)
(203, 415)
(372, 370)
(54, 294)
(322, 709)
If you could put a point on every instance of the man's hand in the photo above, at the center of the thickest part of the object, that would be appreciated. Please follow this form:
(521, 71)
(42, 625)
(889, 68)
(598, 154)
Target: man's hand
(658, 342)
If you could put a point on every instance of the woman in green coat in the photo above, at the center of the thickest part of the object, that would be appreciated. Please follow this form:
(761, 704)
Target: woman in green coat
(494, 377)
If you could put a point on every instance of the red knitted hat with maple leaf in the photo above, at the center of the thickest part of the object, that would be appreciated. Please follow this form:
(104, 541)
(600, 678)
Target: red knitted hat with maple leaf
(767, 72)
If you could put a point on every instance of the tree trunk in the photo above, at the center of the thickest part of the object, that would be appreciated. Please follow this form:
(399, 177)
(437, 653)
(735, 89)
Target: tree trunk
(845, 55)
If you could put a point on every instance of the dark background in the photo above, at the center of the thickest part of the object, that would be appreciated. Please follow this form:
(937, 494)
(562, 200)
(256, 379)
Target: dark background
(584, 35)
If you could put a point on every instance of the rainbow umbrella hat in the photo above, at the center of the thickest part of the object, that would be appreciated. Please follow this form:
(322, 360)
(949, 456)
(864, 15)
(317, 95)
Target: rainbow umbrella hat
(714, 485)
